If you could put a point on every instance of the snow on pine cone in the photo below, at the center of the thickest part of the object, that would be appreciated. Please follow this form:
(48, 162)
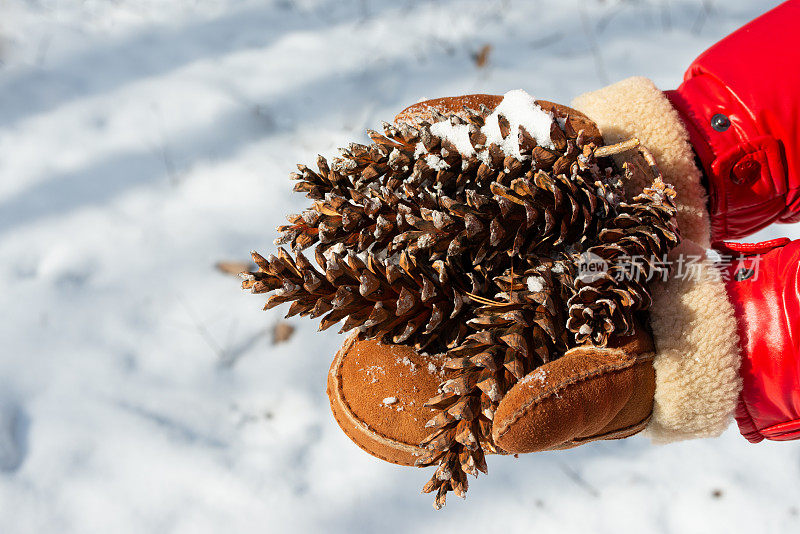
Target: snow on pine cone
(464, 235)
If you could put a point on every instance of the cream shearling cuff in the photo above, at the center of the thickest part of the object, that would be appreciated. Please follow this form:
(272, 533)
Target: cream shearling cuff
(697, 354)
(637, 108)
(697, 346)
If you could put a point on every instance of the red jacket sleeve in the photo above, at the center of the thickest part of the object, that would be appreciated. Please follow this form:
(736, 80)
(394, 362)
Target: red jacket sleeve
(763, 284)
(740, 101)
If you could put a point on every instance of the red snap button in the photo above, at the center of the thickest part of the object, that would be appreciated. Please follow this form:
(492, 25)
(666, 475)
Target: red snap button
(746, 170)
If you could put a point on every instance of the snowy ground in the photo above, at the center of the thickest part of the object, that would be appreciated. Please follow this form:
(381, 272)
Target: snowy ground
(143, 141)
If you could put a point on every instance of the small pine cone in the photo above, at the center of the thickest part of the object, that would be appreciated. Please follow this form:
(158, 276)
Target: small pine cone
(635, 246)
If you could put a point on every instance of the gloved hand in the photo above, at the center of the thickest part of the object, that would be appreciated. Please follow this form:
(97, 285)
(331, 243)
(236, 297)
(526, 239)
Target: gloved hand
(697, 354)
(707, 321)
(378, 395)
(589, 393)
(378, 392)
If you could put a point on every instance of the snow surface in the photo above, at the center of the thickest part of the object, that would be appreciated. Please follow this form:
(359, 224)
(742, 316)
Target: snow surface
(142, 141)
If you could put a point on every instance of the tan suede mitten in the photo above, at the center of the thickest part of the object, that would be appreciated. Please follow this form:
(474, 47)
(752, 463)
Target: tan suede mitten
(378, 392)
(590, 393)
